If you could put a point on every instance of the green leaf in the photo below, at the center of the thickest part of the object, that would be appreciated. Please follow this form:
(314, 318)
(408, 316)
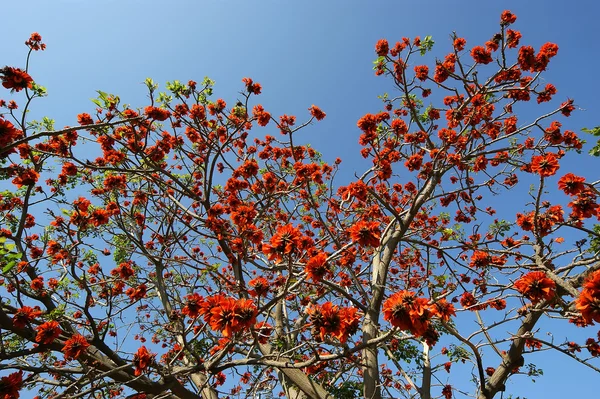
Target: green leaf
(9, 266)
(426, 44)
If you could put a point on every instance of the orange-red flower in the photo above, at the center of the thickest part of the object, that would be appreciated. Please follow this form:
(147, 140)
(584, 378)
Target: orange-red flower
(545, 165)
(317, 267)
(329, 320)
(25, 315)
(285, 241)
(141, 360)
(47, 332)
(26, 177)
(193, 305)
(10, 385)
(75, 346)
(571, 184)
(260, 286)
(481, 55)
(156, 113)
(365, 233)
(15, 79)
(421, 72)
(317, 113)
(536, 286)
(406, 311)
(588, 302)
(228, 315)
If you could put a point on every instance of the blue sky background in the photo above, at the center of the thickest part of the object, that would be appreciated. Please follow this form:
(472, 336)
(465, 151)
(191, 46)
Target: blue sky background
(303, 53)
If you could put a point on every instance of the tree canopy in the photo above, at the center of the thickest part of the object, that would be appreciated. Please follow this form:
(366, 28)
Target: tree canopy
(194, 247)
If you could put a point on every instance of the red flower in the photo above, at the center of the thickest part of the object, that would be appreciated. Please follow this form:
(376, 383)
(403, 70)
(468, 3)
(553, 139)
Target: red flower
(588, 304)
(141, 360)
(26, 177)
(480, 259)
(25, 315)
(284, 242)
(421, 72)
(124, 271)
(260, 286)
(365, 233)
(512, 38)
(35, 42)
(8, 134)
(75, 347)
(47, 332)
(193, 305)
(85, 119)
(481, 55)
(15, 79)
(230, 316)
(507, 18)
(571, 184)
(156, 113)
(137, 293)
(262, 116)
(459, 43)
(545, 165)
(317, 113)
(317, 268)
(329, 320)
(10, 385)
(382, 48)
(406, 311)
(536, 286)
(447, 391)
(263, 330)
(251, 87)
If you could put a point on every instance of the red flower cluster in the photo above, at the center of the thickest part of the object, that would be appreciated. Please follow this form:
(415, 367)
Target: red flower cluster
(365, 233)
(286, 241)
(75, 346)
(156, 113)
(507, 18)
(10, 385)
(15, 79)
(262, 116)
(588, 302)
(571, 184)
(545, 221)
(141, 360)
(331, 320)
(382, 48)
(421, 72)
(481, 55)
(8, 134)
(545, 165)
(25, 315)
(528, 61)
(316, 268)
(228, 315)
(585, 205)
(35, 42)
(251, 87)
(406, 311)
(47, 332)
(536, 286)
(317, 113)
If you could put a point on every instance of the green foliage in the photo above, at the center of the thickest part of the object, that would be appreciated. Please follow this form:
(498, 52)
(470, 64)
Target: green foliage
(426, 44)
(8, 258)
(595, 132)
(347, 390)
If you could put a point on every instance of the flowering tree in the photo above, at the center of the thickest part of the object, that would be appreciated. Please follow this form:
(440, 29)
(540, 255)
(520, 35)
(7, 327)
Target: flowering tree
(169, 251)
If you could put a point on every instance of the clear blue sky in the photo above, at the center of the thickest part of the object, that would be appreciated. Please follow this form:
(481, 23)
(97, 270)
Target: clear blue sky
(302, 52)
